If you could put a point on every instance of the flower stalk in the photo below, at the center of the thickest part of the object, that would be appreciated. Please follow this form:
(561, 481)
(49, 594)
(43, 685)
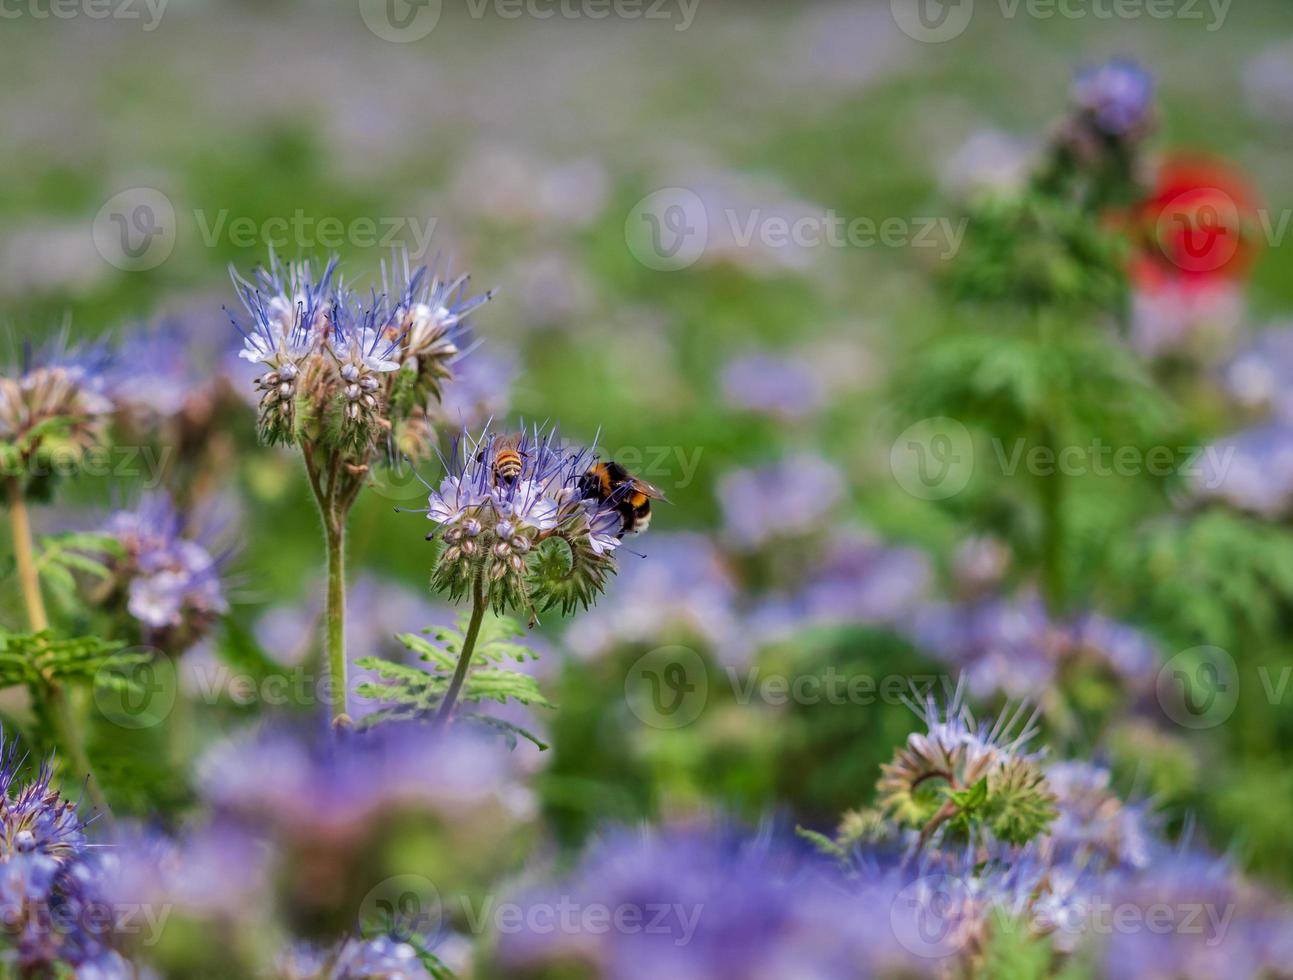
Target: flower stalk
(25, 557)
(60, 712)
(478, 604)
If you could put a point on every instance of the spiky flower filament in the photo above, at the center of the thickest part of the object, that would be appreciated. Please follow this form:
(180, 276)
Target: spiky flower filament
(977, 776)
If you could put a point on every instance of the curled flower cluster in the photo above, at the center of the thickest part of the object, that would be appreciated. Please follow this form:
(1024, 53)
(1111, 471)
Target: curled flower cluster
(977, 776)
(348, 370)
(51, 413)
(530, 540)
(170, 581)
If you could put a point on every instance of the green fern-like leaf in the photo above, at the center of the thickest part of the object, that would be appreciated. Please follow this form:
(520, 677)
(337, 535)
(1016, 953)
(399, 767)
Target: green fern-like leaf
(410, 691)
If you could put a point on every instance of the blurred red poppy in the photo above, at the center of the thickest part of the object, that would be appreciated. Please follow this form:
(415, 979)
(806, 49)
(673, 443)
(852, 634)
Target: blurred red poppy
(1198, 228)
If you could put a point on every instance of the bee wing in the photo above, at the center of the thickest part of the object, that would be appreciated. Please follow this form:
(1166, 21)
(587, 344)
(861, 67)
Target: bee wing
(650, 489)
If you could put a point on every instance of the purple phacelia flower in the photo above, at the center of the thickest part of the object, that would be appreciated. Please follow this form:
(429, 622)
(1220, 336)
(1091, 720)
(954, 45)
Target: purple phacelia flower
(720, 904)
(1118, 95)
(789, 498)
(771, 385)
(171, 582)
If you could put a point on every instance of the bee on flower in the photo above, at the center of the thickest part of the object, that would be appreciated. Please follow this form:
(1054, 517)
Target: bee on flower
(520, 523)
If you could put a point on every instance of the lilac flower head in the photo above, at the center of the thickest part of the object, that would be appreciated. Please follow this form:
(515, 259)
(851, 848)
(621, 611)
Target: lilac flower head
(171, 581)
(1261, 376)
(1015, 647)
(723, 905)
(45, 882)
(1118, 95)
(862, 580)
(684, 593)
(1093, 826)
(289, 310)
(157, 370)
(380, 958)
(1216, 924)
(431, 311)
(378, 359)
(1251, 470)
(771, 386)
(479, 391)
(788, 498)
(340, 787)
(503, 498)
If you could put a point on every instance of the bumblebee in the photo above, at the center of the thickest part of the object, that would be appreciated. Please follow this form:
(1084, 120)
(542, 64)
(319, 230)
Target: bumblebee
(609, 482)
(509, 460)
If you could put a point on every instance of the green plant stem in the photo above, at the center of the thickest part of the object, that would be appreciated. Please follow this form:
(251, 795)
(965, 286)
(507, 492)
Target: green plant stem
(335, 539)
(464, 658)
(1052, 544)
(61, 712)
(25, 557)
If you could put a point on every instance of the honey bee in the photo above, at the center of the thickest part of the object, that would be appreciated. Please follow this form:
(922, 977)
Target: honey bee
(630, 496)
(509, 459)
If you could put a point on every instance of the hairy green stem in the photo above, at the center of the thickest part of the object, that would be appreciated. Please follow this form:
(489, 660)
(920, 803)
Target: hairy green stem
(62, 715)
(335, 539)
(25, 557)
(464, 657)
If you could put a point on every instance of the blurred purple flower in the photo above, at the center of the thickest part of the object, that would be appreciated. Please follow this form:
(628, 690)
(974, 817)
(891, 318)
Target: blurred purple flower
(1013, 645)
(1191, 915)
(380, 958)
(337, 787)
(1252, 470)
(46, 883)
(684, 591)
(215, 871)
(481, 389)
(1118, 95)
(770, 385)
(718, 904)
(859, 580)
(1261, 376)
(998, 644)
(1094, 827)
(785, 499)
(171, 581)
